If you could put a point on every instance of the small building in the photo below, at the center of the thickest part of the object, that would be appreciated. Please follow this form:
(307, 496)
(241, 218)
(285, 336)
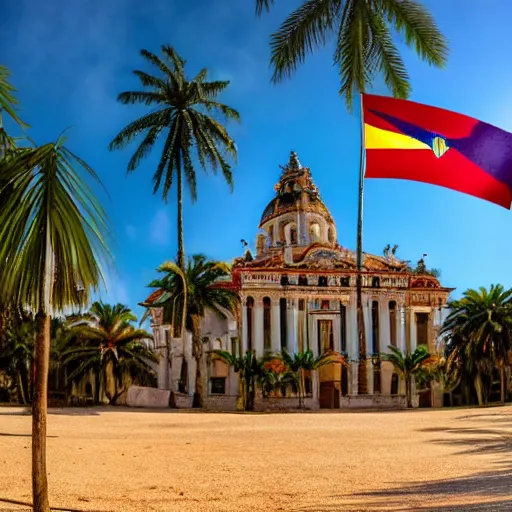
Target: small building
(298, 291)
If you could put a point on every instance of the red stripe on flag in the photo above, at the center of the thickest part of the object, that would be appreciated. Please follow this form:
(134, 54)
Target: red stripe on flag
(444, 122)
(452, 170)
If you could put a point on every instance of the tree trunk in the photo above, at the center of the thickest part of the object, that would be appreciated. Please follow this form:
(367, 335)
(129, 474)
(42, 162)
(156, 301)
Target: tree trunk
(503, 383)
(39, 415)
(181, 242)
(198, 355)
(479, 388)
(240, 403)
(21, 389)
(408, 390)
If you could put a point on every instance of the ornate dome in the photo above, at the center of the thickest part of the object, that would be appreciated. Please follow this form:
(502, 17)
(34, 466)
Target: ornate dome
(296, 216)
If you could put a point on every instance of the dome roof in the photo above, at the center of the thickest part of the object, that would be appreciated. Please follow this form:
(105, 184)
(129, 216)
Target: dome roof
(287, 202)
(295, 191)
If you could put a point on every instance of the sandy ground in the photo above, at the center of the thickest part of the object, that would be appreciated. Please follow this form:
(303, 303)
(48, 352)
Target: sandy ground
(126, 460)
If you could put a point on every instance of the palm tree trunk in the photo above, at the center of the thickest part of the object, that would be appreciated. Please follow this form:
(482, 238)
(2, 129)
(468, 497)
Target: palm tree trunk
(503, 384)
(408, 390)
(181, 242)
(479, 388)
(39, 415)
(41, 370)
(198, 355)
(240, 403)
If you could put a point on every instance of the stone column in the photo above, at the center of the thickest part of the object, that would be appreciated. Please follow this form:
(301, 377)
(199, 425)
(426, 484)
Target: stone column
(243, 321)
(275, 329)
(386, 368)
(367, 325)
(257, 328)
(413, 334)
(401, 329)
(384, 329)
(292, 317)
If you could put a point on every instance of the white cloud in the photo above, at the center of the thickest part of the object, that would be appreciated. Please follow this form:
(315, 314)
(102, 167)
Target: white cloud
(160, 228)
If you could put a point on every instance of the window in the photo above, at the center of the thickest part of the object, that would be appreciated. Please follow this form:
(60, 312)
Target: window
(218, 385)
(293, 235)
(266, 323)
(394, 384)
(283, 326)
(314, 233)
(250, 312)
(284, 280)
(325, 305)
(345, 282)
(375, 282)
(392, 323)
(325, 336)
(271, 234)
(375, 327)
(303, 280)
(421, 329)
(322, 281)
(183, 382)
(343, 328)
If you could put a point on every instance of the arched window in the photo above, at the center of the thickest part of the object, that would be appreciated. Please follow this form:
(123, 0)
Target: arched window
(250, 322)
(271, 234)
(392, 323)
(314, 233)
(293, 235)
(266, 323)
(375, 327)
(375, 282)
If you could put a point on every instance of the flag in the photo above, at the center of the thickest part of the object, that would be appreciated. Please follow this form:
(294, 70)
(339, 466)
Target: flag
(411, 141)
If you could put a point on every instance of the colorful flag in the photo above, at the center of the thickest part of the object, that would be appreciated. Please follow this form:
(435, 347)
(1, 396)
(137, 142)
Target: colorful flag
(411, 141)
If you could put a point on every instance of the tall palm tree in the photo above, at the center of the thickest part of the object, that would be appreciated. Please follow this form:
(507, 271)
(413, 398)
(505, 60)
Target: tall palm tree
(479, 330)
(364, 48)
(52, 240)
(201, 275)
(111, 348)
(184, 114)
(408, 366)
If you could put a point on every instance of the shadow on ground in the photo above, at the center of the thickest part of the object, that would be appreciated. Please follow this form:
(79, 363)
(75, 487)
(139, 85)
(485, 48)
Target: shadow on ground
(486, 491)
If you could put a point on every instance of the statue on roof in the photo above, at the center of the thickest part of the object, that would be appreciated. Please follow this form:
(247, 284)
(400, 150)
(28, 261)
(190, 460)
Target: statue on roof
(293, 163)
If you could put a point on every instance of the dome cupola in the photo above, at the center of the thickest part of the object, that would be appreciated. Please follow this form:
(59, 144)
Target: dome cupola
(296, 216)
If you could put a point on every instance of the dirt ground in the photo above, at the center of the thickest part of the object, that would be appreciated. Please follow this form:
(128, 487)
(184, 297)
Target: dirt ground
(126, 460)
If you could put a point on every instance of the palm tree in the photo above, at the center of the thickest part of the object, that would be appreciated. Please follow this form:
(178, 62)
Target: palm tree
(52, 240)
(364, 48)
(201, 275)
(248, 368)
(184, 114)
(408, 366)
(478, 328)
(364, 44)
(302, 362)
(111, 348)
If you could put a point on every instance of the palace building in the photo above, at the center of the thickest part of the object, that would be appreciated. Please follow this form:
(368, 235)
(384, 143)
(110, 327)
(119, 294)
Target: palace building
(298, 291)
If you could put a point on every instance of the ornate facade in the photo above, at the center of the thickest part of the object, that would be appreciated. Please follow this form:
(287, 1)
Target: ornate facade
(299, 291)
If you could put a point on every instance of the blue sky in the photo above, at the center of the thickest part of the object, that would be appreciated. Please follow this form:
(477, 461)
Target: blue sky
(69, 60)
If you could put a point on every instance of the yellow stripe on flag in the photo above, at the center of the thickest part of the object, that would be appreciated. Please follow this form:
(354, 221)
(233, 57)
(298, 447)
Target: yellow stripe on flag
(376, 138)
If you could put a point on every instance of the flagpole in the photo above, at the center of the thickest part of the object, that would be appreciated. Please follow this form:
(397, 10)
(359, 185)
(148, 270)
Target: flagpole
(362, 368)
